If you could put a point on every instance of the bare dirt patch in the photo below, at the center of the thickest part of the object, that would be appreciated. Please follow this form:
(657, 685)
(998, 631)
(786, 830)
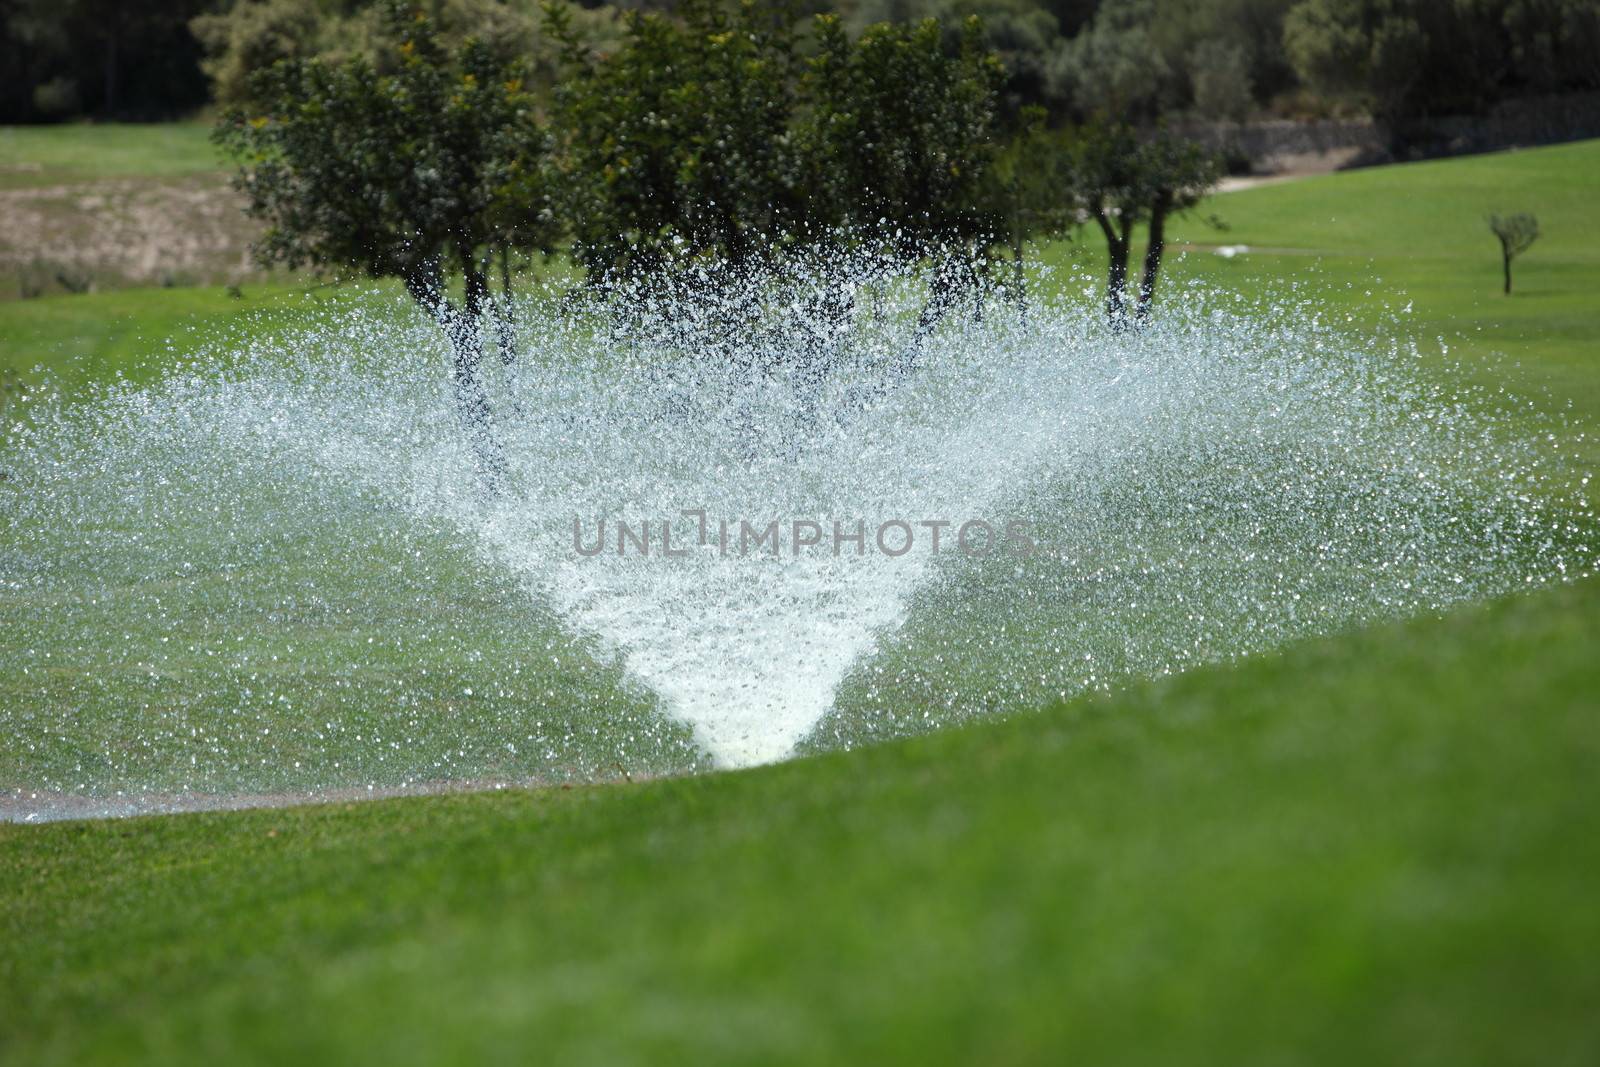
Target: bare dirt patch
(122, 232)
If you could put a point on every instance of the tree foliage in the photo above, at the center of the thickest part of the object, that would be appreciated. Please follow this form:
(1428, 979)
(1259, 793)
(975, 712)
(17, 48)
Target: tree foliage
(61, 58)
(680, 142)
(1402, 59)
(244, 38)
(902, 134)
(1411, 58)
(708, 135)
(392, 174)
(1219, 74)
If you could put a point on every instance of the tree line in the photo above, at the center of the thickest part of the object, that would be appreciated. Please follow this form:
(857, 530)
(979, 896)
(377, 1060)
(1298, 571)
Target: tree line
(1213, 59)
(722, 134)
(722, 139)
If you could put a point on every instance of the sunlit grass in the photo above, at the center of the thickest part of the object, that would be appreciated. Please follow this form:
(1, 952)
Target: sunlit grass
(51, 155)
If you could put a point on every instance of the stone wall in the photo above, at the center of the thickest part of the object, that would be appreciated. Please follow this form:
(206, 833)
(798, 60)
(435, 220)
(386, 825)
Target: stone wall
(1282, 145)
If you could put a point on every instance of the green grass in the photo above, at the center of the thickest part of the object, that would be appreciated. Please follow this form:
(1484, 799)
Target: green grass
(71, 342)
(1405, 252)
(48, 155)
(1370, 243)
(1375, 849)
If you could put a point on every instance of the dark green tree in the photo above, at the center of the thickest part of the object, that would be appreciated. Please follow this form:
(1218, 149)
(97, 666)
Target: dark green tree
(679, 143)
(420, 173)
(1114, 66)
(1409, 59)
(101, 57)
(706, 139)
(901, 135)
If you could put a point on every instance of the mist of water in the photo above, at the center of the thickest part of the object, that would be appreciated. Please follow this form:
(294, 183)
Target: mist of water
(275, 571)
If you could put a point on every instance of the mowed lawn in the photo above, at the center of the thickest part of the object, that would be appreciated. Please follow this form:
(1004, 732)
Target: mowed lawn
(67, 344)
(1404, 254)
(1376, 847)
(45, 155)
(1408, 249)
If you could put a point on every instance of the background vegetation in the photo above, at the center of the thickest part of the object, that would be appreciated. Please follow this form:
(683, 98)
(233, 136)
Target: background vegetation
(1217, 59)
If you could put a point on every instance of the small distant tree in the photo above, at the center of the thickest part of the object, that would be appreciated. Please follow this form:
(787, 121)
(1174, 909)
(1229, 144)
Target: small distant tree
(1120, 180)
(1516, 233)
(428, 169)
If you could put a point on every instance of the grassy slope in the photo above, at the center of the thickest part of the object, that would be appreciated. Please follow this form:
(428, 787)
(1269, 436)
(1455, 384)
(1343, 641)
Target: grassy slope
(47, 155)
(1405, 251)
(1369, 243)
(117, 206)
(68, 342)
(1374, 849)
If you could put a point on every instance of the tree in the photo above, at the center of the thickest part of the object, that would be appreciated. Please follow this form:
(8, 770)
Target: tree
(1177, 175)
(1114, 66)
(901, 142)
(1378, 52)
(901, 135)
(704, 142)
(705, 136)
(1410, 59)
(1516, 233)
(1219, 75)
(1119, 181)
(432, 168)
(678, 143)
(245, 37)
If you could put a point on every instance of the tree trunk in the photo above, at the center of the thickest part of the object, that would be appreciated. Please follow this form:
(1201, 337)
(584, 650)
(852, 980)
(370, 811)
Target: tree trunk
(504, 320)
(941, 294)
(1152, 255)
(1117, 246)
(504, 313)
(1019, 279)
(1505, 256)
(472, 401)
(466, 343)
